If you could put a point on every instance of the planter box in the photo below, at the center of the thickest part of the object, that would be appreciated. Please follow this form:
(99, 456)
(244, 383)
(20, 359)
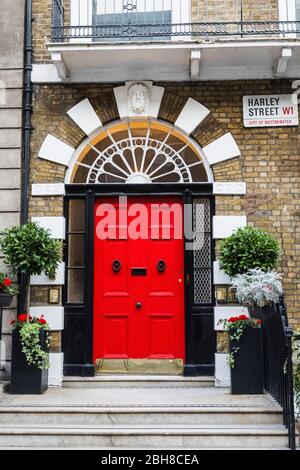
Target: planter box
(26, 379)
(5, 300)
(247, 374)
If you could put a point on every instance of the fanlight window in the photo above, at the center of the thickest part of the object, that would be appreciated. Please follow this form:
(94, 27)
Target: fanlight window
(138, 153)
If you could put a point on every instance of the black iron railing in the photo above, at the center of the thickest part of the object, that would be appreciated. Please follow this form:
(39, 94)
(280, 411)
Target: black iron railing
(278, 367)
(146, 32)
(165, 20)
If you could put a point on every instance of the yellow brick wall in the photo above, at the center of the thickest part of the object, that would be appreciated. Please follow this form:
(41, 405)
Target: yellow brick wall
(234, 10)
(270, 161)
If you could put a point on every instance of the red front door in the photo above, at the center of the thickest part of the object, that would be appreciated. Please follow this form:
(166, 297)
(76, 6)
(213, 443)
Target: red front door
(139, 279)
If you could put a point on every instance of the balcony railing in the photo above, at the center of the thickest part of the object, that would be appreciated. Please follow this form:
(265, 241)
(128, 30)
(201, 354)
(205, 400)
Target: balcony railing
(166, 20)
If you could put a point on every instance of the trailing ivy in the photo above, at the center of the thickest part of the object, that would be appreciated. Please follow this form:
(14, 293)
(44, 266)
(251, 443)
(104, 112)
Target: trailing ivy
(248, 248)
(29, 249)
(30, 340)
(30, 329)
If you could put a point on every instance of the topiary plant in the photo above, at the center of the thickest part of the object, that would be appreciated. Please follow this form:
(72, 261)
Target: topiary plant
(29, 249)
(248, 248)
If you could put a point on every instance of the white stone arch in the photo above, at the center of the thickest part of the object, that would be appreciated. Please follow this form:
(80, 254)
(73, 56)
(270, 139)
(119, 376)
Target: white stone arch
(191, 116)
(197, 149)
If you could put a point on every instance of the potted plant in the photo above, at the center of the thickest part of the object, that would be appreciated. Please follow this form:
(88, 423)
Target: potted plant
(7, 291)
(29, 250)
(248, 248)
(245, 358)
(30, 355)
(259, 291)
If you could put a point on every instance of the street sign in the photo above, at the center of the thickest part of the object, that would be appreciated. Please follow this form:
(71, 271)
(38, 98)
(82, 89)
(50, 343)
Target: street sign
(270, 110)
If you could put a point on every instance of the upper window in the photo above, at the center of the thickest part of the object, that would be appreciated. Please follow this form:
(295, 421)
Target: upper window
(125, 20)
(140, 152)
(132, 19)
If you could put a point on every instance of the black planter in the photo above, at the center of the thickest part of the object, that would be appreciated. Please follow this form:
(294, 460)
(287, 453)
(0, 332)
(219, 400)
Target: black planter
(26, 379)
(247, 374)
(5, 299)
(262, 313)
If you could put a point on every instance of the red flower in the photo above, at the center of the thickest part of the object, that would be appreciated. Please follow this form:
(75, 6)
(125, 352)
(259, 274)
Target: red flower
(232, 319)
(243, 317)
(22, 317)
(240, 318)
(259, 322)
(13, 322)
(7, 282)
(42, 320)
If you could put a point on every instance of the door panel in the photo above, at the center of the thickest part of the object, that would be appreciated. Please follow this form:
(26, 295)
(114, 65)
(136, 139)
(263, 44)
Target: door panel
(139, 307)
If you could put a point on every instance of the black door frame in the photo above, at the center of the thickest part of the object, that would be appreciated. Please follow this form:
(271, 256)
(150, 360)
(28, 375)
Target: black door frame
(197, 317)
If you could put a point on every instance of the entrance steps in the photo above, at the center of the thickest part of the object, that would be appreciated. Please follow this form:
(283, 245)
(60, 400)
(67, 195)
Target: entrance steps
(138, 381)
(180, 436)
(140, 413)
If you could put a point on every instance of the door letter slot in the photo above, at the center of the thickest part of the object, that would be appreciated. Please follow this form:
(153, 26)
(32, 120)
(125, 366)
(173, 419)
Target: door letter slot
(139, 271)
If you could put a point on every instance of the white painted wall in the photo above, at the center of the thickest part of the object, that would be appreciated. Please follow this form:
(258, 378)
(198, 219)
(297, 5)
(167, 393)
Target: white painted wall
(222, 313)
(226, 225)
(43, 280)
(219, 276)
(56, 369)
(53, 315)
(222, 371)
(231, 188)
(50, 189)
(56, 225)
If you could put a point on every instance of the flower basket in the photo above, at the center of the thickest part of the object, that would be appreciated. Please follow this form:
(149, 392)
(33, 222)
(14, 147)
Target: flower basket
(30, 356)
(7, 291)
(247, 374)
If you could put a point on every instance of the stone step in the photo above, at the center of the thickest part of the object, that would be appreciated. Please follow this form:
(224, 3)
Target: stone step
(144, 436)
(130, 415)
(138, 381)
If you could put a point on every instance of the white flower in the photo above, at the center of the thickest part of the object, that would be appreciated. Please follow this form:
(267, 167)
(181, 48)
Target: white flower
(257, 287)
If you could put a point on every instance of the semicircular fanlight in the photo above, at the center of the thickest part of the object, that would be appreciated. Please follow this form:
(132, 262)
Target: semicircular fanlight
(140, 153)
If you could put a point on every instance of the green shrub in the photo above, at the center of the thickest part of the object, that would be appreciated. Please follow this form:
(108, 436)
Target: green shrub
(248, 248)
(29, 249)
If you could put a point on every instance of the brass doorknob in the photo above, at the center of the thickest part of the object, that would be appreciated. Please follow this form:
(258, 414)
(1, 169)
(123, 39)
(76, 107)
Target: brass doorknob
(138, 305)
